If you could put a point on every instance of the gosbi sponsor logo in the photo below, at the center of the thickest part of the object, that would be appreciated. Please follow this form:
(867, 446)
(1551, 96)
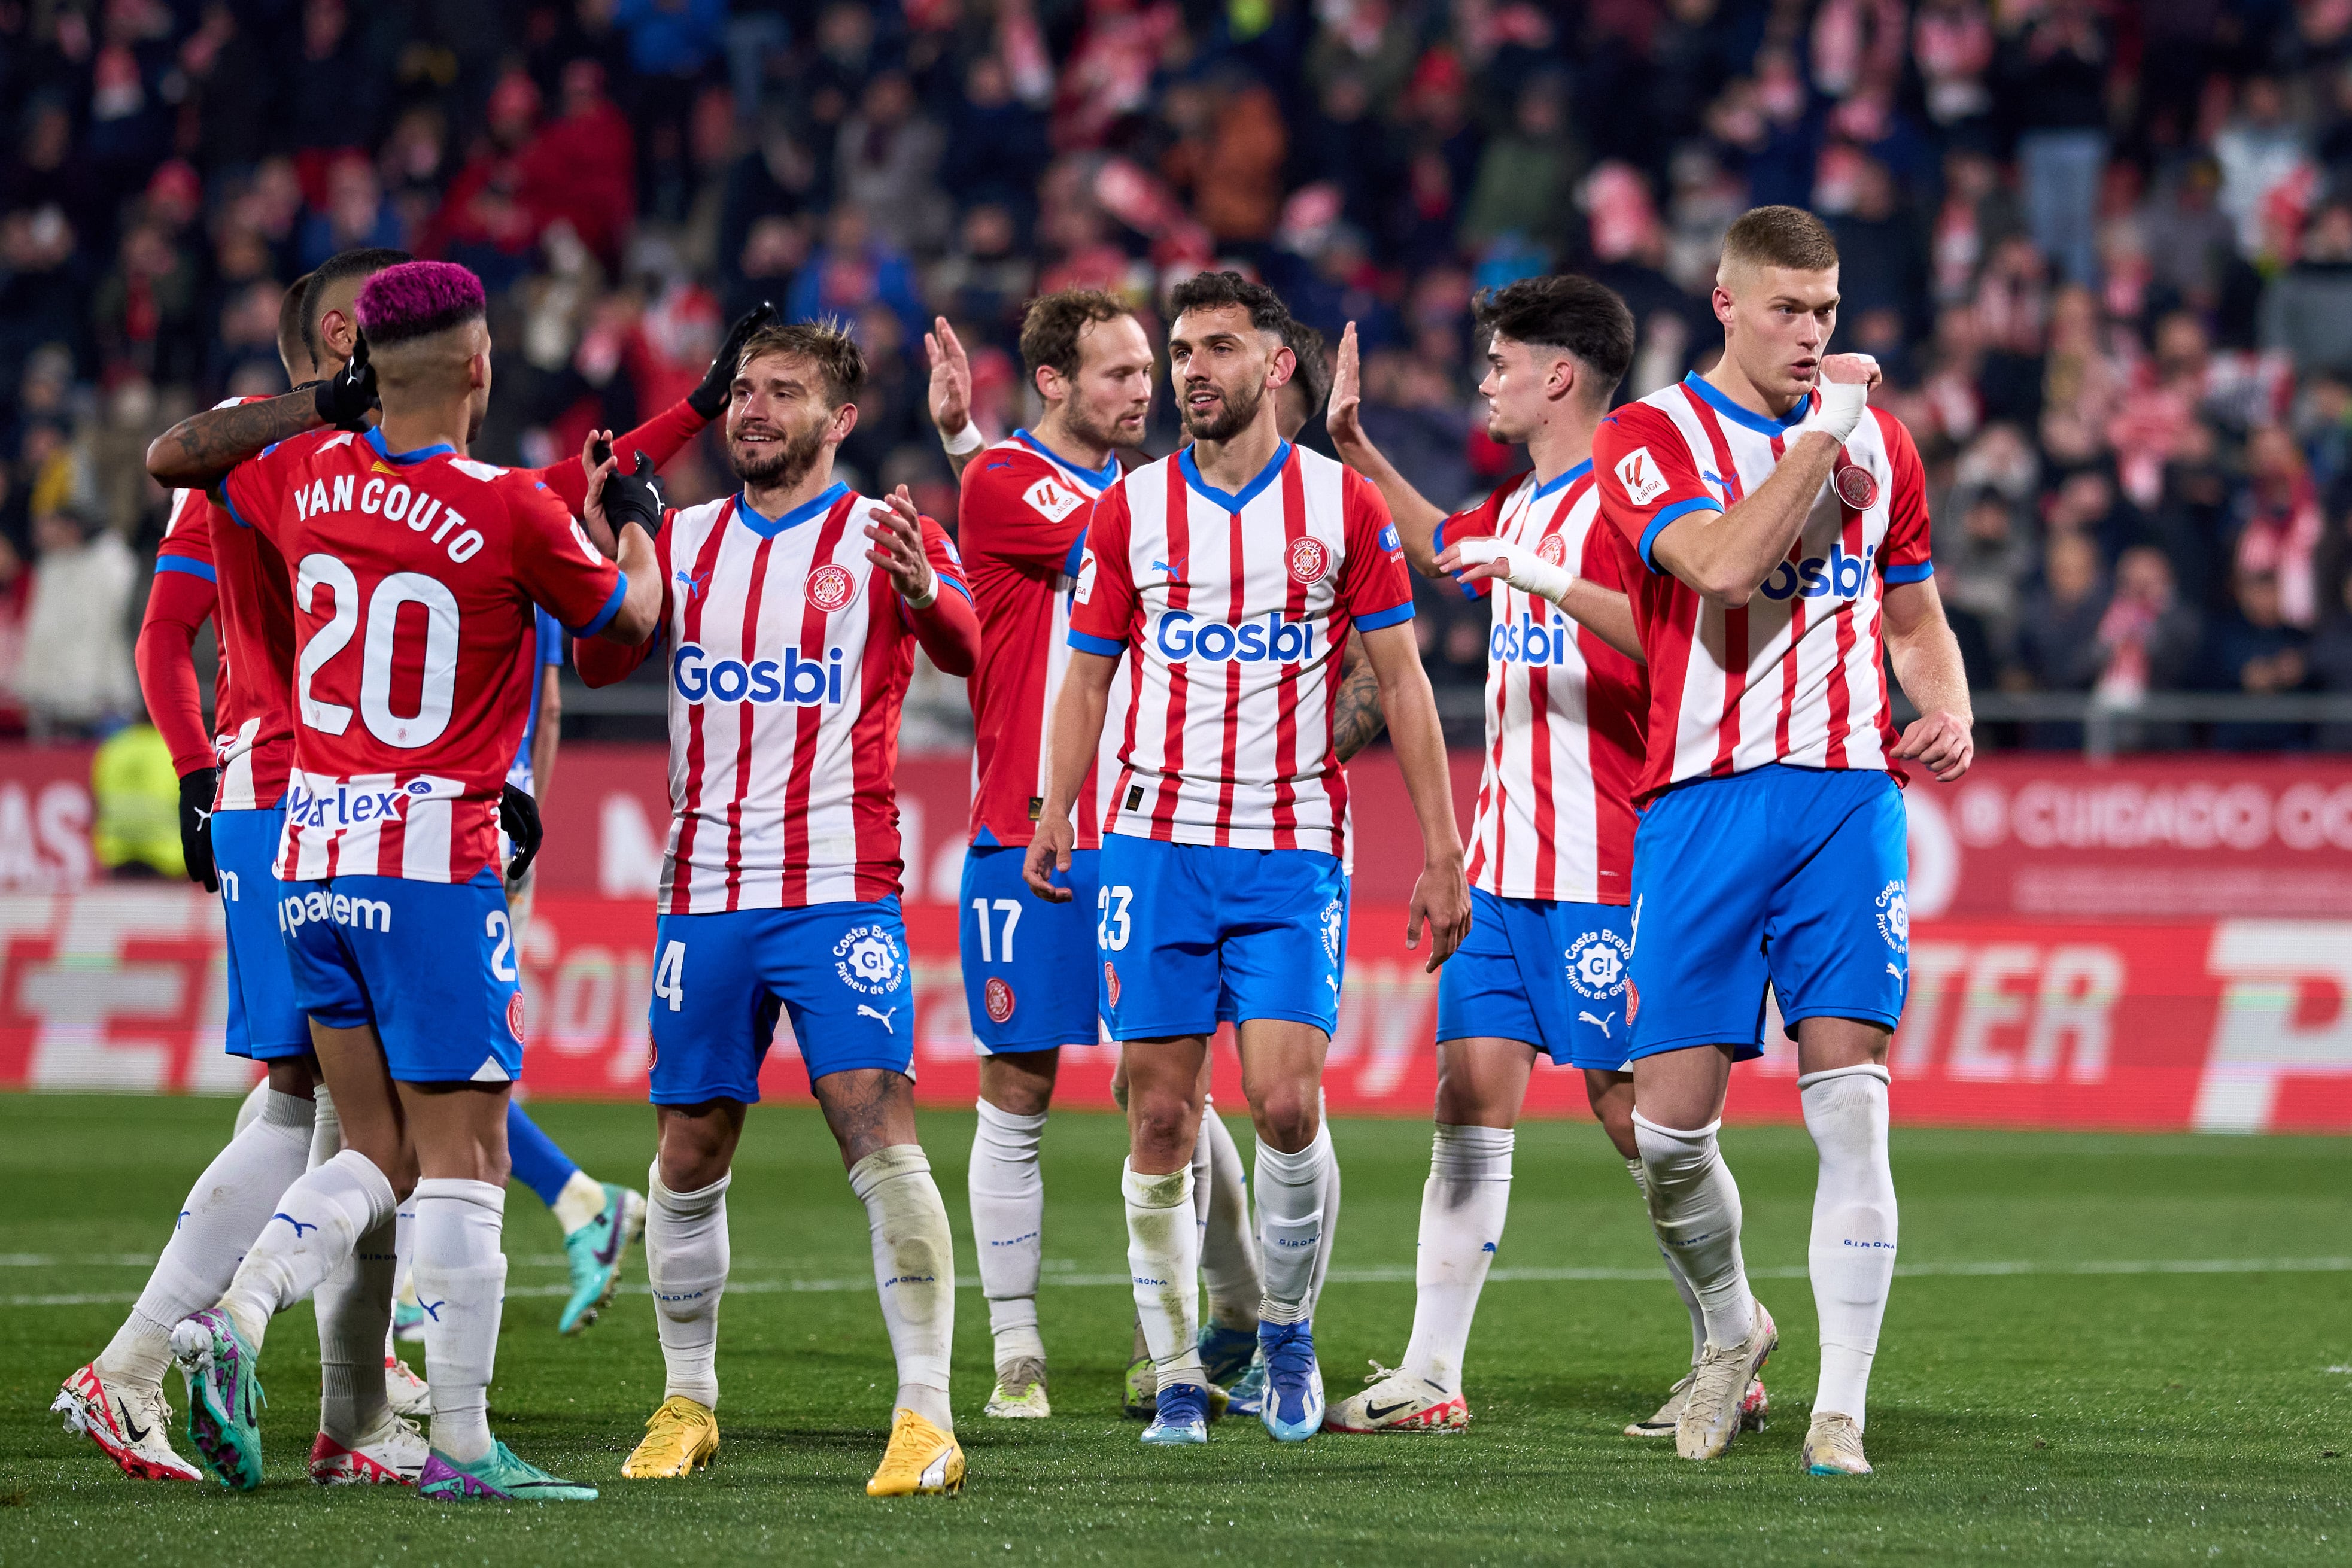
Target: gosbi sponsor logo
(1309, 561)
(998, 999)
(830, 587)
(802, 682)
(1836, 575)
(333, 909)
(1530, 641)
(1182, 636)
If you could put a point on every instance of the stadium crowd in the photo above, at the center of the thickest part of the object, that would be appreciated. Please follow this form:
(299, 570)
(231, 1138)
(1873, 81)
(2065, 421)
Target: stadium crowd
(2103, 251)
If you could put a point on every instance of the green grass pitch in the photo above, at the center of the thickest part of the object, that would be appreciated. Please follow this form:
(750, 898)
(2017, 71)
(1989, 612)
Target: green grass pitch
(2103, 1350)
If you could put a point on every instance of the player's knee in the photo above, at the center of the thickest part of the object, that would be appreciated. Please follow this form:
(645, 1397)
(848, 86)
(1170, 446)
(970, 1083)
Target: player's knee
(1287, 1115)
(1163, 1125)
(694, 1153)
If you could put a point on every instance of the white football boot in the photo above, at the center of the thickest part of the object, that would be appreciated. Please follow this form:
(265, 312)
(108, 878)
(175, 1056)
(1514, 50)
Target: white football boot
(128, 1425)
(1753, 1409)
(1399, 1402)
(1833, 1447)
(1710, 1417)
(408, 1394)
(392, 1455)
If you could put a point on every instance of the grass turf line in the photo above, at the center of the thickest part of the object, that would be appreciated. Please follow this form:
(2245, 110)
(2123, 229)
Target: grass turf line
(2104, 1417)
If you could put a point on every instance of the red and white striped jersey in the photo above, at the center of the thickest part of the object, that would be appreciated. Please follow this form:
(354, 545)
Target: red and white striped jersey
(1019, 524)
(1564, 710)
(789, 658)
(253, 715)
(1796, 675)
(414, 575)
(1234, 612)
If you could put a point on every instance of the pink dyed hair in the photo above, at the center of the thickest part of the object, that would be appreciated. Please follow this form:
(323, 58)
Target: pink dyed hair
(417, 298)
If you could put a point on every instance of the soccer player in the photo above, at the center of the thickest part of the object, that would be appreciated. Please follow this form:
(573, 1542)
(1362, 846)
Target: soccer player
(1782, 525)
(414, 568)
(1241, 565)
(793, 610)
(1552, 843)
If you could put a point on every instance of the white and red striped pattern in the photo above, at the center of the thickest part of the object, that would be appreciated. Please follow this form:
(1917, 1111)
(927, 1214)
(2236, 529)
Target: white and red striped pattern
(1797, 674)
(778, 804)
(1221, 748)
(1564, 710)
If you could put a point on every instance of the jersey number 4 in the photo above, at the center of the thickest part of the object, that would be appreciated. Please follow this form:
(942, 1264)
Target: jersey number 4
(669, 976)
(437, 690)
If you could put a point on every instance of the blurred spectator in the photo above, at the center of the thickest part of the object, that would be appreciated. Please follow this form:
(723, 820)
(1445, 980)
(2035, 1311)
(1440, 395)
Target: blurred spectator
(2149, 641)
(1981, 562)
(137, 793)
(2308, 310)
(855, 268)
(2330, 658)
(2254, 650)
(885, 158)
(355, 215)
(2282, 530)
(2058, 634)
(1528, 173)
(2055, 80)
(75, 676)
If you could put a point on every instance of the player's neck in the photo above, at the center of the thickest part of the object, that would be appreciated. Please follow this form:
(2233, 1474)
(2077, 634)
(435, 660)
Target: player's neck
(441, 425)
(1059, 439)
(1727, 378)
(1231, 465)
(1560, 445)
(775, 500)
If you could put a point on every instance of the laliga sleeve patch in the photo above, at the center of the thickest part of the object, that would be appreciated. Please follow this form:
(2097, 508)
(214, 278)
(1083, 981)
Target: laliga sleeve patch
(1638, 472)
(831, 587)
(1309, 561)
(1085, 592)
(999, 1000)
(1051, 501)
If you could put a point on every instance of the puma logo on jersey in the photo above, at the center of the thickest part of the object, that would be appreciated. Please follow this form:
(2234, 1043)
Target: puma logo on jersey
(695, 586)
(1174, 568)
(865, 1012)
(1638, 472)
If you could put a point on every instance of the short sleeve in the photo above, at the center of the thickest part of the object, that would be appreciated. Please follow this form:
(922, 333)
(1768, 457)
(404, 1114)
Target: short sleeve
(1646, 476)
(1103, 605)
(1375, 584)
(187, 543)
(253, 493)
(1010, 510)
(1483, 520)
(555, 563)
(945, 559)
(1904, 556)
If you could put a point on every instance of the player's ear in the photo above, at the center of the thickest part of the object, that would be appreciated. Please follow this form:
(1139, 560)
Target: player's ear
(1047, 378)
(1280, 368)
(845, 420)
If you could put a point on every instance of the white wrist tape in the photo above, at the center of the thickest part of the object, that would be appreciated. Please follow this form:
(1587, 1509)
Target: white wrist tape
(1840, 411)
(928, 597)
(968, 439)
(1526, 570)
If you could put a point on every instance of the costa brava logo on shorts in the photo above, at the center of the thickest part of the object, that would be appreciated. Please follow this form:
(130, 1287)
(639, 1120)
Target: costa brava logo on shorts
(830, 587)
(802, 682)
(868, 960)
(1335, 916)
(1309, 561)
(1596, 963)
(1895, 917)
(998, 998)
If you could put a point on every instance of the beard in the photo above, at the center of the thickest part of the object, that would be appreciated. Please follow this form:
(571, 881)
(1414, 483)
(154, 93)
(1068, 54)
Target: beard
(1106, 432)
(1236, 412)
(778, 465)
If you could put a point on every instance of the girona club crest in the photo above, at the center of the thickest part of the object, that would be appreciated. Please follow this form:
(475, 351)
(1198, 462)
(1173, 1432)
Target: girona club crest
(1110, 982)
(514, 1016)
(1308, 561)
(1551, 547)
(830, 587)
(998, 1000)
(1856, 488)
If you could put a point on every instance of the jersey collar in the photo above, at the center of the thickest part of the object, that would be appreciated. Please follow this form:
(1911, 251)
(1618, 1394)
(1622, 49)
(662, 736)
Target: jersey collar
(1249, 492)
(1716, 400)
(375, 438)
(1560, 482)
(1101, 478)
(768, 527)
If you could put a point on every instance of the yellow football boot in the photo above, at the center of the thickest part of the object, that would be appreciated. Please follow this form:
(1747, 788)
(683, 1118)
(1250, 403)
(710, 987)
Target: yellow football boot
(921, 1461)
(680, 1438)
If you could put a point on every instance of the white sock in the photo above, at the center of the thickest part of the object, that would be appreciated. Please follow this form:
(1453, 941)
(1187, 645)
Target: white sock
(1290, 1208)
(218, 1220)
(249, 1109)
(1853, 1253)
(580, 1202)
(914, 1272)
(1331, 1207)
(316, 1224)
(1228, 1250)
(1463, 1206)
(1674, 1270)
(461, 1280)
(404, 1268)
(1694, 1210)
(1163, 1259)
(686, 1263)
(354, 1309)
(326, 1129)
(1008, 1224)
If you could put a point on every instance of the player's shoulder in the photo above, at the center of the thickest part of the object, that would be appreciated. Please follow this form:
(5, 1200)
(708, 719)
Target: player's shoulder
(308, 443)
(1901, 451)
(1644, 419)
(1010, 478)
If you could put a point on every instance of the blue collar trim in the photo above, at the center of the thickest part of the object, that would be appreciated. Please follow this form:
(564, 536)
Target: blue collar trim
(1749, 416)
(768, 527)
(375, 439)
(1102, 479)
(1265, 476)
(1554, 485)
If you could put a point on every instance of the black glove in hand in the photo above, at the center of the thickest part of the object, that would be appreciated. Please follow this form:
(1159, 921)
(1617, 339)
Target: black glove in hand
(197, 792)
(709, 399)
(346, 399)
(518, 815)
(636, 497)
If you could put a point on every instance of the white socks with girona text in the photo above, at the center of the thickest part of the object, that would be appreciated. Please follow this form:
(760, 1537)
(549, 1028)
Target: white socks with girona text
(354, 1308)
(461, 1280)
(1008, 1227)
(1463, 1206)
(1290, 1202)
(914, 1271)
(685, 1264)
(218, 1220)
(314, 1228)
(1228, 1244)
(1163, 1260)
(1674, 1269)
(1853, 1251)
(1695, 1209)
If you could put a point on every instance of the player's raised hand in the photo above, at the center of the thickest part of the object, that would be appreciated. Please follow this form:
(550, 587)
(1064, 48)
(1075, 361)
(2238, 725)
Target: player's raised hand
(346, 399)
(1941, 742)
(1347, 392)
(1049, 851)
(710, 397)
(1441, 896)
(1852, 370)
(950, 378)
(897, 531)
(596, 462)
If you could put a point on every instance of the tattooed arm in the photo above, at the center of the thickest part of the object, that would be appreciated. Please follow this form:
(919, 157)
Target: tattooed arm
(1356, 719)
(194, 454)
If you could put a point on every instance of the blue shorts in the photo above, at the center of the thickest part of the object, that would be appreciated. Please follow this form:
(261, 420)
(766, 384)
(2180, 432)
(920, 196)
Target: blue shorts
(1544, 971)
(1193, 935)
(430, 965)
(264, 1024)
(1028, 965)
(1793, 876)
(721, 981)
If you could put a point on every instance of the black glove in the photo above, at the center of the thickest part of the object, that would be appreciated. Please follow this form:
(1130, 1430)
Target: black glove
(197, 792)
(709, 399)
(518, 814)
(636, 497)
(346, 399)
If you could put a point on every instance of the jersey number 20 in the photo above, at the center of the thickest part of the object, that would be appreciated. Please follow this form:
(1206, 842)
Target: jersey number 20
(438, 692)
